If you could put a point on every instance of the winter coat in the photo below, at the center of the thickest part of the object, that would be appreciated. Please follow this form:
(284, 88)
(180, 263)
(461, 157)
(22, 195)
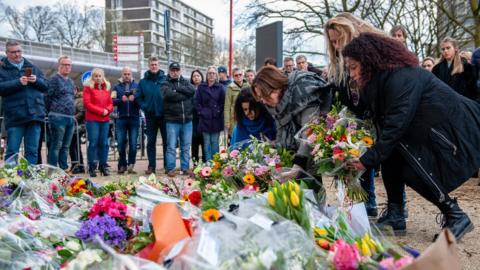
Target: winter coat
(149, 96)
(96, 100)
(225, 83)
(434, 128)
(255, 128)
(464, 83)
(178, 100)
(128, 108)
(229, 108)
(21, 103)
(350, 98)
(79, 108)
(210, 103)
(307, 94)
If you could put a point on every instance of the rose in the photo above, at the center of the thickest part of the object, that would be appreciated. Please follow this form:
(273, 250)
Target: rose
(312, 138)
(195, 197)
(234, 153)
(346, 257)
(259, 171)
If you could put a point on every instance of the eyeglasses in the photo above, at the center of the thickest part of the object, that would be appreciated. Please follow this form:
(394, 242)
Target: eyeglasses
(237, 75)
(15, 52)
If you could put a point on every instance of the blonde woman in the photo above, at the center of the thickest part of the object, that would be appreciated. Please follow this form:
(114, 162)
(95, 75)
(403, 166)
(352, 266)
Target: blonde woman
(339, 31)
(210, 97)
(454, 71)
(98, 106)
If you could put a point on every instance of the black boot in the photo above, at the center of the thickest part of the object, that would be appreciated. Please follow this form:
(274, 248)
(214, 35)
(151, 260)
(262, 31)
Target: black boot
(394, 218)
(455, 219)
(91, 170)
(104, 170)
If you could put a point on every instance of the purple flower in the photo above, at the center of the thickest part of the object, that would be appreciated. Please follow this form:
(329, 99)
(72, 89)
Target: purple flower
(19, 172)
(106, 228)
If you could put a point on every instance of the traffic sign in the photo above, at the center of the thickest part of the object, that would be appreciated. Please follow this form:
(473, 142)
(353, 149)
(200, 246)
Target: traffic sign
(127, 49)
(127, 57)
(86, 75)
(127, 40)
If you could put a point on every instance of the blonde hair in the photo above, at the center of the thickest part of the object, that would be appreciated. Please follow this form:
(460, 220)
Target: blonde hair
(91, 83)
(457, 60)
(349, 27)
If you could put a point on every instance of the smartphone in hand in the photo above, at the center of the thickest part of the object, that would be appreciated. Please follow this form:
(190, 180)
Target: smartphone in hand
(28, 72)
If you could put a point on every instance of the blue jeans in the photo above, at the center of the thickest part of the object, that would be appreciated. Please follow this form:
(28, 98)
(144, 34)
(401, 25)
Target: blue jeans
(211, 144)
(60, 134)
(184, 132)
(30, 133)
(97, 136)
(367, 181)
(130, 126)
(153, 124)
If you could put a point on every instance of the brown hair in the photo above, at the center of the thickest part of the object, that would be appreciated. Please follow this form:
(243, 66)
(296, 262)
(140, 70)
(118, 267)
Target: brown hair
(397, 28)
(457, 60)
(268, 78)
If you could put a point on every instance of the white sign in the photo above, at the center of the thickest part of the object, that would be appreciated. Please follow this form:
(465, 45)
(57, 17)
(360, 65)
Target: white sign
(128, 40)
(128, 49)
(127, 57)
(208, 248)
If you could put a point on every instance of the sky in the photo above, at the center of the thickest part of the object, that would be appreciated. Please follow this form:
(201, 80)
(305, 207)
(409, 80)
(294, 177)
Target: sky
(216, 9)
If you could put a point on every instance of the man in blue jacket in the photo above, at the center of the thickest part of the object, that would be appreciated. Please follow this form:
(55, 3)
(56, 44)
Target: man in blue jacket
(150, 100)
(128, 121)
(178, 107)
(22, 86)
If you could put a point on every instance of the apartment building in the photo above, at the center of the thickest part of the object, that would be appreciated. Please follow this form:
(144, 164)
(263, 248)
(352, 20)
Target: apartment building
(191, 30)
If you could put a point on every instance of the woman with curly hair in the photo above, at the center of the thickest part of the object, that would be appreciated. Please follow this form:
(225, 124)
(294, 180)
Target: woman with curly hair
(340, 30)
(432, 144)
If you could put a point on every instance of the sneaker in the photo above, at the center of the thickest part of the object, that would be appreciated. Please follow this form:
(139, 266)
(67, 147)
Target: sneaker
(171, 173)
(130, 169)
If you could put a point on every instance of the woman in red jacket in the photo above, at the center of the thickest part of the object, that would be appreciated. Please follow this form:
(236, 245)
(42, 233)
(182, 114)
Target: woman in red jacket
(98, 106)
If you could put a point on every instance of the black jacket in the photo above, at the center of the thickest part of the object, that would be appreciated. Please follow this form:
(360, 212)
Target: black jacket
(177, 100)
(435, 129)
(464, 83)
(21, 103)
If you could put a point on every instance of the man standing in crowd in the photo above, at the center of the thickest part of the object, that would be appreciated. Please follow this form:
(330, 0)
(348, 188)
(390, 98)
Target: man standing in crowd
(250, 75)
(61, 110)
(239, 83)
(223, 76)
(150, 100)
(302, 63)
(178, 107)
(288, 65)
(128, 121)
(399, 33)
(21, 86)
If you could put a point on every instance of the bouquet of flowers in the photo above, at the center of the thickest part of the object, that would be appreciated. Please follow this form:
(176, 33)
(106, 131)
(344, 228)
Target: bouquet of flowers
(336, 139)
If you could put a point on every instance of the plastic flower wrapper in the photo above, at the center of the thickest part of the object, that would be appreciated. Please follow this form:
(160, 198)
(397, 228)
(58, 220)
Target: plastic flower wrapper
(335, 139)
(250, 236)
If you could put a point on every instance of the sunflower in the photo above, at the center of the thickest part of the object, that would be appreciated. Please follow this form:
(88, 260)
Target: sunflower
(249, 179)
(367, 140)
(211, 215)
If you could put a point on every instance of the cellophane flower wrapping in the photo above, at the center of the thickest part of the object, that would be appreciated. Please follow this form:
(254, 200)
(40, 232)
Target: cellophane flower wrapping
(335, 139)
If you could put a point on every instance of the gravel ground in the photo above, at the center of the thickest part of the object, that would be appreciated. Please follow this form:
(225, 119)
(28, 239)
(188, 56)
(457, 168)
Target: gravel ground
(421, 225)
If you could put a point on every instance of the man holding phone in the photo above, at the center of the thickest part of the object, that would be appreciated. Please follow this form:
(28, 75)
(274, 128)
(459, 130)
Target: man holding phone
(128, 122)
(21, 86)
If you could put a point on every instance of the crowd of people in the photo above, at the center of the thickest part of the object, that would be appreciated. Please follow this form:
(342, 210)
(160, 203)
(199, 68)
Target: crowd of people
(423, 141)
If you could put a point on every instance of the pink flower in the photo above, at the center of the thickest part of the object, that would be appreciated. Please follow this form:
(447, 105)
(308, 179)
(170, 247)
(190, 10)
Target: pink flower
(228, 171)
(262, 170)
(188, 183)
(58, 248)
(391, 264)
(403, 261)
(234, 153)
(346, 256)
(315, 150)
(206, 172)
(312, 138)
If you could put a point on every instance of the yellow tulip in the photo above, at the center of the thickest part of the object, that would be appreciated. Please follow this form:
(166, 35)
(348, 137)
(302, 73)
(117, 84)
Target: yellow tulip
(354, 152)
(365, 250)
(297, 188)
(271, 199)
(294, 199)
(320, 232)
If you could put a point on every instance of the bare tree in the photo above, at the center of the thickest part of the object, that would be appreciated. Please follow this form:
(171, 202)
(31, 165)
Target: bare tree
(18, 23)
(41, 21)
(73, 25)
